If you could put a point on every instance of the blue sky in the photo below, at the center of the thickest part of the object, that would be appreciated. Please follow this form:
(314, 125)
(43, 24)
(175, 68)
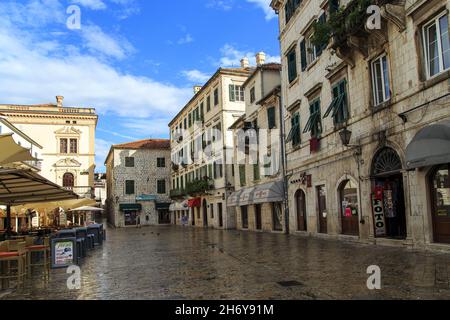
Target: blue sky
(135, 61)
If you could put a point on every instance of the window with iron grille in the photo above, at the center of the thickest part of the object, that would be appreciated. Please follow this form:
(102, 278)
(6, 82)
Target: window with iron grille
(73, 146)
(129, 162)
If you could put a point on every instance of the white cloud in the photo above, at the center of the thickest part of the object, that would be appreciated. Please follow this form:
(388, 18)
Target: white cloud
(231, 57)
(99, 42)
(31, 74)
(186, 39)
(220, 4)
(195, 76)
(91, 4)
(102, 148)
(150, 127)
(265, 6)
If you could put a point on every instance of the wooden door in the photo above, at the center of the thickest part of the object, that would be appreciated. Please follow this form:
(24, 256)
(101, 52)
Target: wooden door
(300, 200)
(258, 217)
(440, 184)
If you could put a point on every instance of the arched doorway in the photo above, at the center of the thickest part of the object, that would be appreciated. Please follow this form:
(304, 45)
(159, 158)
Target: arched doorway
(348, 195)
(68, 180)
(300, 204)
(440, 192)
(205, 213)
(388, 198)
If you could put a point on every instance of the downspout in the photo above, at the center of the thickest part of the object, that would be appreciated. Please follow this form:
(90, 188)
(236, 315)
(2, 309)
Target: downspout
(283, 163)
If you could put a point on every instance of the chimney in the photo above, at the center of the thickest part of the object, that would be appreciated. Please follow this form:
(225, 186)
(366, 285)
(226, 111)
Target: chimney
(59, 101)
(197, 89)
(260, 58)
(245, 63)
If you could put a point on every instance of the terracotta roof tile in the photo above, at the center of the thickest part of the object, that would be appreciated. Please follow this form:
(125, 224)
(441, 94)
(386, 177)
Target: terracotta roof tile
(145, 144)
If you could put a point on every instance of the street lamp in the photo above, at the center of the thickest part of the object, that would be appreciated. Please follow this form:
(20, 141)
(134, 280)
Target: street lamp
(346, 135)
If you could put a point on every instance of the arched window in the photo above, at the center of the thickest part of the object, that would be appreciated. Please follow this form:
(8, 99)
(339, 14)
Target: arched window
(68, 180)
(386, 160)
(300, 204)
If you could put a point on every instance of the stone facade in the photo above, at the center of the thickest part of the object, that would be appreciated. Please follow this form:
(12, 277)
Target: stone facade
(379, 131)
(201, 145)
(145, 172)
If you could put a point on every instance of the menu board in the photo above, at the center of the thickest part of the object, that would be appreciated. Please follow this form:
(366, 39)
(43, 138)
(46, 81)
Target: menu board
(64, 252)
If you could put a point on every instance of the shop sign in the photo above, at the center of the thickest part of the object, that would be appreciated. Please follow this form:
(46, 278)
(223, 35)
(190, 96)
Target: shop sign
(378, 216)
(63, 252)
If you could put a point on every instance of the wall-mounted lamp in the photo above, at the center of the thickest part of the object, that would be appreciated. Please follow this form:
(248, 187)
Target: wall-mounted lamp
(346, 135)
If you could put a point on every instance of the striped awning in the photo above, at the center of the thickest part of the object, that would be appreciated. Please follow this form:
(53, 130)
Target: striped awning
(264, 193)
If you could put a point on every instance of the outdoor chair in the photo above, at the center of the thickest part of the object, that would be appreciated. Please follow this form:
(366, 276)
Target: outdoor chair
(43, 255)
(11, 251)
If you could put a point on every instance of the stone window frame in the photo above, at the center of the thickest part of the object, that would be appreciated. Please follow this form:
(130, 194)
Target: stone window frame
(129, 162)
(161, 186)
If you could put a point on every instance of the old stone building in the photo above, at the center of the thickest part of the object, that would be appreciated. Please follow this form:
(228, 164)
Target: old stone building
(367, 113)
(202, 150)
(67, 137)
(259, 189)
(137, 183)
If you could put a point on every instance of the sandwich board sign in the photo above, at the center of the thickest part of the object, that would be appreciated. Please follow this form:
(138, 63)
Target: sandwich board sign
(64, 252)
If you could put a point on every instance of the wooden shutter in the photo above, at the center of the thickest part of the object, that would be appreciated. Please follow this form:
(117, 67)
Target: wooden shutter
(232, 95)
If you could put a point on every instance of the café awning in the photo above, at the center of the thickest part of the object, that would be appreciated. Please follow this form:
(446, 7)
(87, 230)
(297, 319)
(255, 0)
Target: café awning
(246, 197)
(269, 192)
(130, 207)
(24, 186)
(430, 146)
(233, 199)
(11, 151)
(64, 204)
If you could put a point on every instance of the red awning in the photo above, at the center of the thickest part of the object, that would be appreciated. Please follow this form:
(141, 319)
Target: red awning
(196, 202)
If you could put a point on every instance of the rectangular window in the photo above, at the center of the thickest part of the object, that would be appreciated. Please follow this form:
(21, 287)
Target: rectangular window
(292, 65)
(380, 80)
(161, 186)
(73, 146)
(185, 123)
(212, 210)
(208, 103)
(129, 162)
(256, 172)
(437, 45)
(312, 52)
(63, 146)
(252, 95)
(236, 93)
(216, 96)
(202, 111)
(190, 119)
(339, 105)
(242, 177)
(271, 118)
(129, 187)
(314, 124)
(161, 162)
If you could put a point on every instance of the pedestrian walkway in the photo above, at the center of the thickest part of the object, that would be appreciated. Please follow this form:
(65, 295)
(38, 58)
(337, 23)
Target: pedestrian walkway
(189, 263)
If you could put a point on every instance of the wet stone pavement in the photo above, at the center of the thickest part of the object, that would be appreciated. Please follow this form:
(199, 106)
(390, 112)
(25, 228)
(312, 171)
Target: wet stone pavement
(187, 263)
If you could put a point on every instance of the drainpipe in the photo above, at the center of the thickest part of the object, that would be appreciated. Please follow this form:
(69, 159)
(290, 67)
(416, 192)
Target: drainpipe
(284, 163)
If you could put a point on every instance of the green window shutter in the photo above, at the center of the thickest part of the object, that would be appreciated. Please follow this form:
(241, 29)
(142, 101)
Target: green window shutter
(256, 172)
(333, 6)
(242, 174)
(303, 55)
(231, 90)
(271, 117)
(322, 20)
(292, 66)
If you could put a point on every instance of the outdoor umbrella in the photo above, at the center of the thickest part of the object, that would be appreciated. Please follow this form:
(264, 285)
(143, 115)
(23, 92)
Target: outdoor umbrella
(18, 186)
(85, 209)
(64, 204)
(11, 151)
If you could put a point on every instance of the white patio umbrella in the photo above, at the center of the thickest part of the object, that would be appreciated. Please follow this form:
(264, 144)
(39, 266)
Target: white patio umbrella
(85, 209)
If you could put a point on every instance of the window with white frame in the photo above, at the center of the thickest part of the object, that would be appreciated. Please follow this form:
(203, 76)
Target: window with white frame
(380, 80)
(311, 50)
(436, 45)
(236, 93)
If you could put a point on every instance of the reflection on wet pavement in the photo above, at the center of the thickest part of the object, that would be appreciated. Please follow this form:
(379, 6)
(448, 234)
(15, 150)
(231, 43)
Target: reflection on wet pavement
(187, 263)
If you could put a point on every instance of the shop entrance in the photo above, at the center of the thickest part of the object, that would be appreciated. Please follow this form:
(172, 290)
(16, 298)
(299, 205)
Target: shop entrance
(322, 206)
(388, 197)
(300, 201)
(440, 191)
(348, 193)
(130, 218)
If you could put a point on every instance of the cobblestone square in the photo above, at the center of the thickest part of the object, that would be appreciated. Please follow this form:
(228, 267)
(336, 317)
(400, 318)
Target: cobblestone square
(189, 263)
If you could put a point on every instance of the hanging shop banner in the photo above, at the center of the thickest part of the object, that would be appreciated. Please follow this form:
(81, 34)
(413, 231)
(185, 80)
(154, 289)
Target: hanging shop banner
(64, 252)
(378, 216)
